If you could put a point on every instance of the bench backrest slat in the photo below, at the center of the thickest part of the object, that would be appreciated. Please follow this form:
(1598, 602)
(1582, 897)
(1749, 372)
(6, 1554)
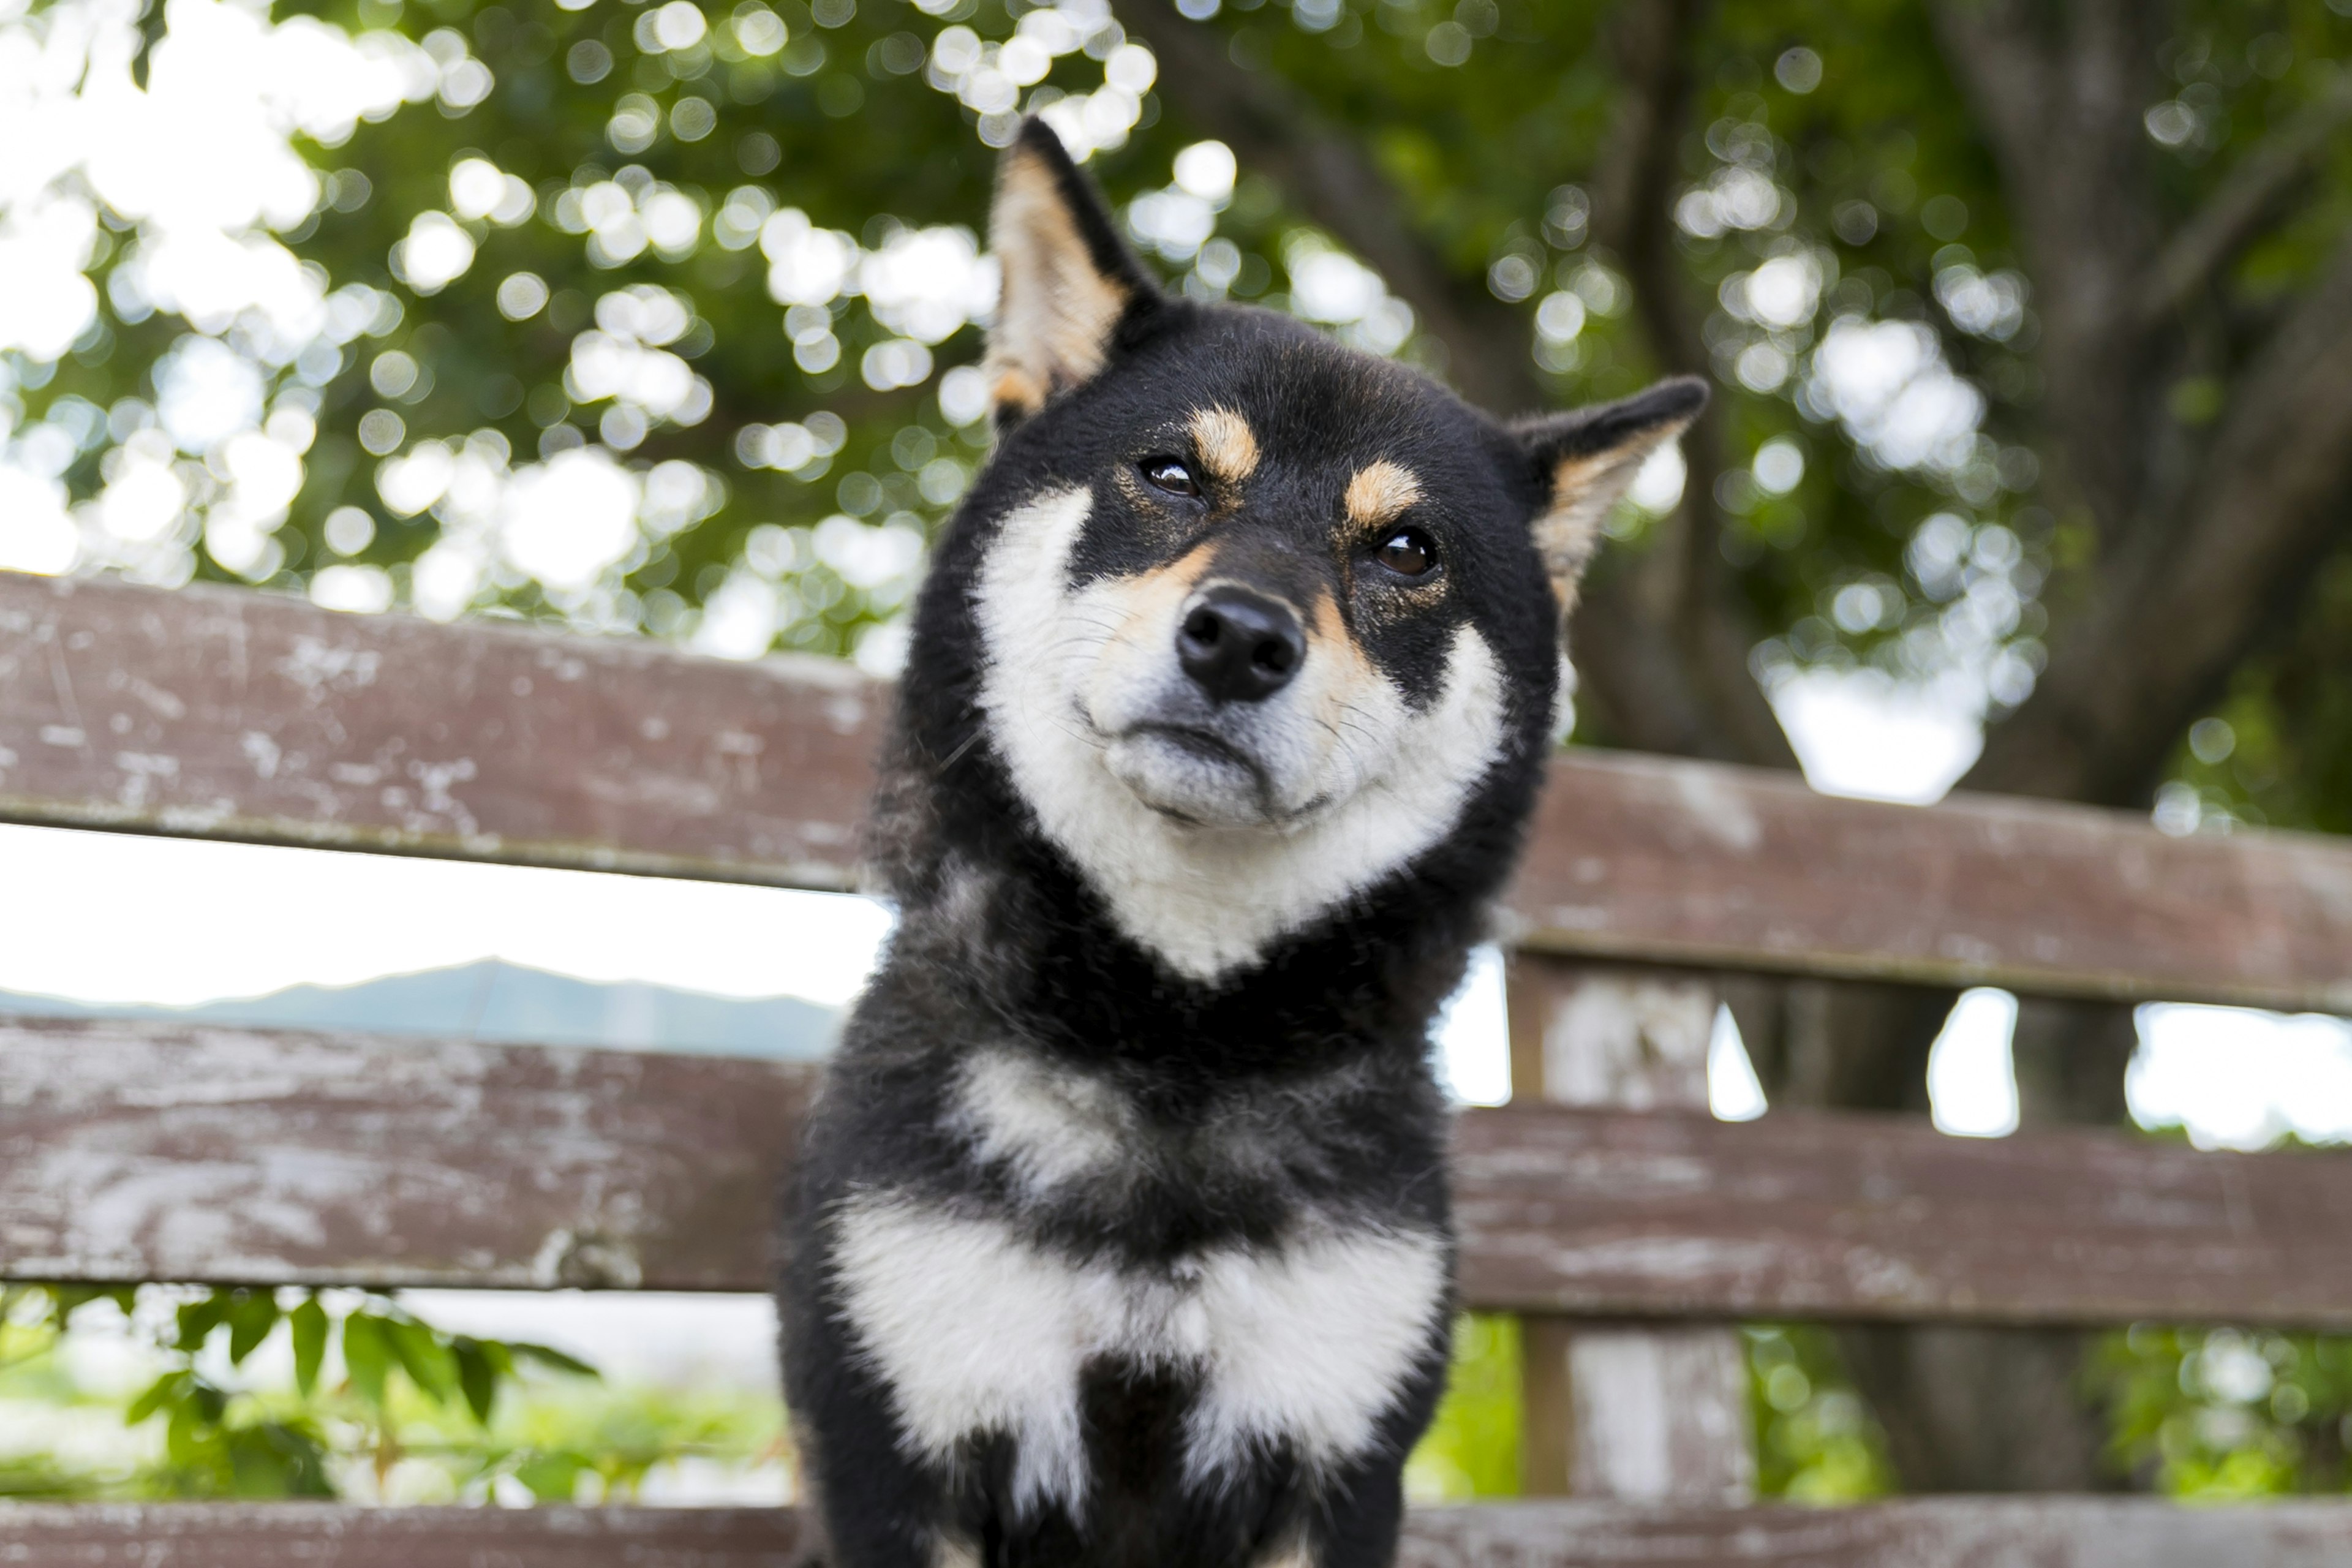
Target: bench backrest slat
(139, 1151)
(229, 714)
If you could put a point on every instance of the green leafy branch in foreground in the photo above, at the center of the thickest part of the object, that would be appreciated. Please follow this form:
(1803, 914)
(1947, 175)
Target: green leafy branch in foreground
(220, 1441)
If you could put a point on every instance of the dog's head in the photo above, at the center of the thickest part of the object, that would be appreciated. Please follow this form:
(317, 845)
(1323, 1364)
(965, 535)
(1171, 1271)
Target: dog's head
(1255, 618)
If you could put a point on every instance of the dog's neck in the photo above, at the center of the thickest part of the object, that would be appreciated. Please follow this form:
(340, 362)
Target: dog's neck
(987, 898)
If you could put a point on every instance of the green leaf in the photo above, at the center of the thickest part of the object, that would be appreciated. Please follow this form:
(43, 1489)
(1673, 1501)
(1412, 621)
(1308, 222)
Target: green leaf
(422, 1356)
(250, 1318)
(309, 1326)
(547, 1356)
(66, 1300)
(166, 1390)
(275, 1459)
(551, 1477)
(367, 1353)
(199, 1318)
(476, 1376)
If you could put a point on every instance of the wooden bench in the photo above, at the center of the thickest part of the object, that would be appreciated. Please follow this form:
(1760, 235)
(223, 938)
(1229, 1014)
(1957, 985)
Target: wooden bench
(141, 1151)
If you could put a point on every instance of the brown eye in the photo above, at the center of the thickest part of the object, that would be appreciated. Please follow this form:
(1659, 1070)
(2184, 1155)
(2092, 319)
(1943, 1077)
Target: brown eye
(1408, 553)
(1170, 474)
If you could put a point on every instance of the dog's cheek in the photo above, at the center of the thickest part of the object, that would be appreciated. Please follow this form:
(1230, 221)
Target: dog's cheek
(1356, 711)
(1445, 749)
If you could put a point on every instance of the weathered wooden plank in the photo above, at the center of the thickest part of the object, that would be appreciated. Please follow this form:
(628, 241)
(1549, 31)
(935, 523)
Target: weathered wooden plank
(1827, 1215)
(1682, 862)
(232, 714)
(1942, 1532)
(1919, 1532)
(328, 1535)
(134, 1150)
(138, 1150)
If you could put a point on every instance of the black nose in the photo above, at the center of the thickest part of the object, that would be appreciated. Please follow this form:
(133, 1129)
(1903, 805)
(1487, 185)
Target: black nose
(1240, 646)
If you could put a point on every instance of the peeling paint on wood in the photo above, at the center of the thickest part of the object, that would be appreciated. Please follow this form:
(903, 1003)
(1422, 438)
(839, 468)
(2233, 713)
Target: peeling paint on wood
(1654, 858)
(138, 1150)
(1840, 1215)
(329, 1535)
(1938, 1532)
(1657, 1412)
(1915, 1533)
(227, 713)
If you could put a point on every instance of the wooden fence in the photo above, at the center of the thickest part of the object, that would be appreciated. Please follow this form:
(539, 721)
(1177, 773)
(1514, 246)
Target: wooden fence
(139, 1151)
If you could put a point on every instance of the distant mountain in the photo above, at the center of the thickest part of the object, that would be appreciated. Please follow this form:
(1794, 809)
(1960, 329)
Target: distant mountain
(493, 1000)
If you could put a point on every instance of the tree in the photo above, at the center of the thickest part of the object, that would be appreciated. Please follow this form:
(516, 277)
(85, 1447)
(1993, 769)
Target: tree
(2027, 319)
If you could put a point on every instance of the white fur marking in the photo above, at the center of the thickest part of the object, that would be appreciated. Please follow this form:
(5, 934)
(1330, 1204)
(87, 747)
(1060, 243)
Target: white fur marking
(1051, 1126)
(1371, 788)
(977, 1329)
(1312, 1344)
(974, 1333)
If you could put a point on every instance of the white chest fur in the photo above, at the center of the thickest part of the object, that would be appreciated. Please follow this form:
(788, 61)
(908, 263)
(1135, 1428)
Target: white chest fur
(977, 1329)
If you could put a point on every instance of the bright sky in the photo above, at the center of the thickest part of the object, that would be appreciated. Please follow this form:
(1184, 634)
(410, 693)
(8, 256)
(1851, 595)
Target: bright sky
(113, 917)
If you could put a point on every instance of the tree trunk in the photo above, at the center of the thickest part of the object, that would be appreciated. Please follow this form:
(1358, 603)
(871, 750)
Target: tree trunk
(1970, 1409)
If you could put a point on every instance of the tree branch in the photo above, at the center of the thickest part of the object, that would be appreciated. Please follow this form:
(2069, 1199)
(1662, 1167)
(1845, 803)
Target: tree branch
(1692, 693)
(2235, 214)
(1324, 170)
(2059, 88)
(2182, 604)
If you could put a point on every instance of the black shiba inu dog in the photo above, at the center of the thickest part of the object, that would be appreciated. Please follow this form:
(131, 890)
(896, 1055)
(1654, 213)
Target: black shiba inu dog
(1121, 1233)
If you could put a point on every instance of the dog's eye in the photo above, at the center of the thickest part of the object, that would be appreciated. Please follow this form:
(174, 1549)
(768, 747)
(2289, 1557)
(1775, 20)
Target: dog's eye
(1408, 553)
(1170, 474)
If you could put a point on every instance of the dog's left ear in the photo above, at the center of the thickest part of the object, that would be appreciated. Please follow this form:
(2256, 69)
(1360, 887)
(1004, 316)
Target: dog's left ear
(1069, 279)
(1586, 458)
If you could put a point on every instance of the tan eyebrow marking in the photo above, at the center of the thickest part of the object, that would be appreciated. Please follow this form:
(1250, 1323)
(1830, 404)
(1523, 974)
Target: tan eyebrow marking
(1226, 444)
(1378, 493)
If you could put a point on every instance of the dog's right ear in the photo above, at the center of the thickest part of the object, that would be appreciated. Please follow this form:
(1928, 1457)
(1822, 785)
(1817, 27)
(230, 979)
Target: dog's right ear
(1069, 279)
(1586, 458)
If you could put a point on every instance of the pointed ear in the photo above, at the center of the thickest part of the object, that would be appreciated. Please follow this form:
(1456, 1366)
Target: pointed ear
(1069, 279)
(1586, 458)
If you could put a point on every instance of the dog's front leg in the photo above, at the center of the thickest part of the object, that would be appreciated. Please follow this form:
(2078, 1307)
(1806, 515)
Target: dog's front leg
(875, 1504)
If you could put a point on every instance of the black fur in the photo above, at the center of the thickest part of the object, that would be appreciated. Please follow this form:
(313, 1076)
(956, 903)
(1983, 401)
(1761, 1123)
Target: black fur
(1300, 1086)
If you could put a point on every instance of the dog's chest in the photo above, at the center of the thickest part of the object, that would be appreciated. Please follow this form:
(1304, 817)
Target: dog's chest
(980, 1329)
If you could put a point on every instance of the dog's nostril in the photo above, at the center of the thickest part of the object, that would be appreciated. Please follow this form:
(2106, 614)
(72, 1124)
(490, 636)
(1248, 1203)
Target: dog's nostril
(1240, 646)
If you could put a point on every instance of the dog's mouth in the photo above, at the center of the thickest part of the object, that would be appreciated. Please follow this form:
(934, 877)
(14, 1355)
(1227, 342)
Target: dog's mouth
(1209, 746)
(1197, 777)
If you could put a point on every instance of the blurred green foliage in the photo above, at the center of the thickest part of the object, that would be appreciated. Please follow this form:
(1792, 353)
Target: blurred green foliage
(366, 1389)
(2224, 1414)
(1471, 1449)
(1815, 1441)
(1833, 141)
(2215, 1414)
